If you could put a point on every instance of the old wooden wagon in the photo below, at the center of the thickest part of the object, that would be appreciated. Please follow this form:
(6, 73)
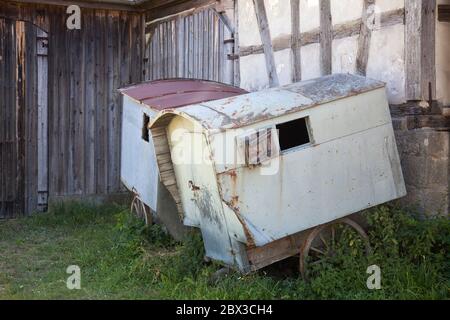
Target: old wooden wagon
(139, 170)
(265, 174)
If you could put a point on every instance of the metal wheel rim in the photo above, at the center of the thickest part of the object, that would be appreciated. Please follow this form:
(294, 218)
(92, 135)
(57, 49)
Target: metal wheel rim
(304, 254)
(139, 209)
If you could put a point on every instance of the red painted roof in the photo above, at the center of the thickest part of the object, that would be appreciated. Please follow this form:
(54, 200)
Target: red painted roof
(175, 93)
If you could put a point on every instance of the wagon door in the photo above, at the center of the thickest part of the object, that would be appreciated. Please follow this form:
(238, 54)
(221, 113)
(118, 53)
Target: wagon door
(23, 102)
(198, 45)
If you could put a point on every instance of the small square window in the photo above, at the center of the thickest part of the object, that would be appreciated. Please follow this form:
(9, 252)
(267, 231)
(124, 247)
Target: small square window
(293, 134)
(145, 130)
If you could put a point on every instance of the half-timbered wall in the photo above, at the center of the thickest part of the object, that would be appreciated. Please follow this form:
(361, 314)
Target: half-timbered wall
(83, 120)
(395, 41)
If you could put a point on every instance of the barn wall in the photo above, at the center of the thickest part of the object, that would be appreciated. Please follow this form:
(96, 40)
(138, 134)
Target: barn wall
(85, 67)
(191, 45)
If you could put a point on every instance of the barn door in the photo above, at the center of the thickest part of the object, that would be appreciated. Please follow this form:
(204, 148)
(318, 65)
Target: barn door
(197, 46)
(22, 98)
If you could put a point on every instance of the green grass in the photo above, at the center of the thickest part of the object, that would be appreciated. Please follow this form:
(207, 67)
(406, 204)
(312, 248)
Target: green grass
(122, 259)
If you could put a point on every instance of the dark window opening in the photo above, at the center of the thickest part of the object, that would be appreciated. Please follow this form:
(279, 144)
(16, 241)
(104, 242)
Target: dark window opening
(293, 134)
(145, 133)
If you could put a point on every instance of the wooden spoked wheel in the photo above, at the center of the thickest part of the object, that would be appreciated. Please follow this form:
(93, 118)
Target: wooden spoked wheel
(140, 210)
(322, 244)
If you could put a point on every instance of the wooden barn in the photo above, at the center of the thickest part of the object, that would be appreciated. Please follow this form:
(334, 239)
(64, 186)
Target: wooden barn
(60, 110)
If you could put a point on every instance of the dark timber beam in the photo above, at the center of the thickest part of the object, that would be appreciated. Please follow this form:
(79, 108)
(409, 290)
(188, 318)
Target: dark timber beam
(365, 35)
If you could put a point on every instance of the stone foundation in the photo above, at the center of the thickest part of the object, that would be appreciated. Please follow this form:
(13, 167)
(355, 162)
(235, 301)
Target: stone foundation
(424, 146)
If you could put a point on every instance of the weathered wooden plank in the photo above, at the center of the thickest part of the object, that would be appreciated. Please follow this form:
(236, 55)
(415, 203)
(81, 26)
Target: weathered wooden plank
(191, 47)
(52, 110)
(43, 78)
(367, 23)
(3, 39)
(90, 106)
(236, 53)
(101, 100)
(216, 47)
(296, 68)
(30, 119)
(326, 37)
(200, 37)
(20, 204)
(228, 72)
(428, 50)
(413, 31)
(266, 39)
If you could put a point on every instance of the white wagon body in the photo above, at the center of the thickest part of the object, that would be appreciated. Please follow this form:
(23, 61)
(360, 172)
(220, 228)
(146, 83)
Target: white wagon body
(139, 170)
(256, 169)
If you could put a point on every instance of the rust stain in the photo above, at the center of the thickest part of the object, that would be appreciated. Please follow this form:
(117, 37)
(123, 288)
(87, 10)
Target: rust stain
(250, 240)
(193, 187)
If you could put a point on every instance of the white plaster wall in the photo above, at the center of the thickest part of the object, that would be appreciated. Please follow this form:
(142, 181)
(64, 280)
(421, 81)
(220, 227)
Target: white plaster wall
(310, 61)
(386, 57)
(346, 10)
(283, 64)
(253, 72)
(386, 61)
(248, 25)
(344, 55)
(443, 60)
(388, 5)
(279, 16)
(310, 15)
